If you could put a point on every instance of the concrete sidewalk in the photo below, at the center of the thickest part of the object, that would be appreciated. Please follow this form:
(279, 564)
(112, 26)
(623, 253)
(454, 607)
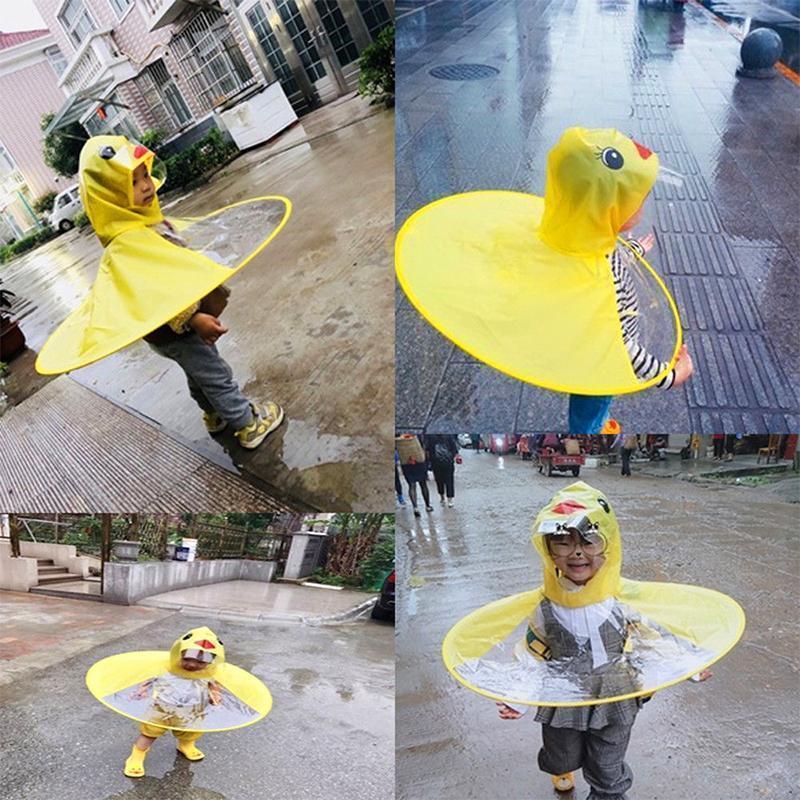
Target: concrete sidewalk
(307, 317)
(727, 242)
(255, 601)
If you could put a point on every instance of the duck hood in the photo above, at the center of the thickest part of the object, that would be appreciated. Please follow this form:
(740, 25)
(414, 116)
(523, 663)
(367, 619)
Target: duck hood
(571, 507)
(107, 164)
(596, 181)
(202, 642)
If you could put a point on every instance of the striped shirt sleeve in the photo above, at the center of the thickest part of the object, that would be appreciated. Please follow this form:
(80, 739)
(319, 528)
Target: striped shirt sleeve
(645, 365)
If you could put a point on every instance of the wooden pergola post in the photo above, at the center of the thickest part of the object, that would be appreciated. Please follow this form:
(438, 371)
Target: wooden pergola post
(13, 530)
(105, 548)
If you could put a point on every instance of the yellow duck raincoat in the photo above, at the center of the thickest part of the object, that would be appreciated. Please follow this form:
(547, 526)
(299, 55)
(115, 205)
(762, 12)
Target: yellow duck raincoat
(144, 280)
(151, 687)
(671, 631)
(523, 283)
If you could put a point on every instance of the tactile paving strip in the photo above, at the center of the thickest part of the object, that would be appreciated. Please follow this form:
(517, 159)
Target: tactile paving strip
(66, 449)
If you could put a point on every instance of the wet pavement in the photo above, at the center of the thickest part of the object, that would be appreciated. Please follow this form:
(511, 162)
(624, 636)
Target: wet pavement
(727, 243)
(307, 317)
(732, 736)
(259, 601)
(330, 732)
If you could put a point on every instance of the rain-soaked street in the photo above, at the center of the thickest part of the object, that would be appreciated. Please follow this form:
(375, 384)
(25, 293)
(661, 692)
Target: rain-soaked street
(300, 316)
(330, 732)
(727, 240)
(732, 737)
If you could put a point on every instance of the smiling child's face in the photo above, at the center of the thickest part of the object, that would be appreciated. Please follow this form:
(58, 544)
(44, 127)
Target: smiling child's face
(578, 565)
(144, 189)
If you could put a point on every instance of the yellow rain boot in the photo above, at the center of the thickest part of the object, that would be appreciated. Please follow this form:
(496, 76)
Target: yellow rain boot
(564, 783)
(134, 766)
(186, 746)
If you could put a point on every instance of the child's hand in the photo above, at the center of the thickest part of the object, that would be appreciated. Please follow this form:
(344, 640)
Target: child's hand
(684, 367)
(207, 327)
(506, 712)
(215, 697)
(647, 241)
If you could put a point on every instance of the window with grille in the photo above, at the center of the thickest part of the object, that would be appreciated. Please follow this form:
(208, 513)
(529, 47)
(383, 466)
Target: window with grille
(56, 59)
(337, 30)
(118, 120)
(272, 50)
(375, 15)
(301, 38)
(163, 97)
(76, 21)
(211, 60)
(120, 6)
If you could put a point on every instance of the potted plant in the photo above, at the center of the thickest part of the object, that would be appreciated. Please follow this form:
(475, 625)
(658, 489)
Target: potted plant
(12, 340)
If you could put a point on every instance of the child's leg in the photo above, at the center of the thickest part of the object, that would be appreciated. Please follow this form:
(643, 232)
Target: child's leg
(186, 744)
(134, 765)
(562, 750)
(587, 414)
(210, 378)
(604, 766)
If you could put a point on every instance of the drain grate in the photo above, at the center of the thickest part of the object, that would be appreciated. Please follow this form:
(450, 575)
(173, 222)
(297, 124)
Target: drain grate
(463, 72)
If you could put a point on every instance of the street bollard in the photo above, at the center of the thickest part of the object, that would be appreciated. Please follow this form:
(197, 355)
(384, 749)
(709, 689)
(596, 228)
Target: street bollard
(760, 50)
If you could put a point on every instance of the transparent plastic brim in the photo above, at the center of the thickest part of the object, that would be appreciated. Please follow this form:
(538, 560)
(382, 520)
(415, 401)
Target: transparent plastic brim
(158, 172)
(655, 325)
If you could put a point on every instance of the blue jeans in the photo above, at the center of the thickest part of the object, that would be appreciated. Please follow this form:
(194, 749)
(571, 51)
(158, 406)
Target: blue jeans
(210, 379)
(588, 413)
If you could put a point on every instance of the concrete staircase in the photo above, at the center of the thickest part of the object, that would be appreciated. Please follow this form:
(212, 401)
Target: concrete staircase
(60, 582)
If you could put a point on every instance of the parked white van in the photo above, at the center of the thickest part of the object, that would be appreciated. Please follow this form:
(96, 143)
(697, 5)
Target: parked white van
(67, 204)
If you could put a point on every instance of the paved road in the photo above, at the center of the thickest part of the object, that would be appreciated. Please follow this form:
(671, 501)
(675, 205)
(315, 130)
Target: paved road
(727, 243)
(330, 733)
(734, 736)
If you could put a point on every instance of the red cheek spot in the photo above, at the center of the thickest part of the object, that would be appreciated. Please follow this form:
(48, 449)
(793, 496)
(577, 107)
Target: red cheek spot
(141, 150)
(643, 151)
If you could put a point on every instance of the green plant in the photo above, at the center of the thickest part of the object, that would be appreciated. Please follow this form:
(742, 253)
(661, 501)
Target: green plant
(376, 63)
(378, 563)
(62, 147)
(44, 204)
(26, 243)
(196, 161)
(81, 219)
(153, 138)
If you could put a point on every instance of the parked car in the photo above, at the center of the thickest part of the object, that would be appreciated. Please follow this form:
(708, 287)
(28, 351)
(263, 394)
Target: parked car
(65, 208)
(384, 605)
(502, 443)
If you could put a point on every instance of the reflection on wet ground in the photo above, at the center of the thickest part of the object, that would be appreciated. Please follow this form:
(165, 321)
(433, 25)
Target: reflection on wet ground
(782, 16)
(330, 732)
(727, 246)
(307, 317)
(451, 743)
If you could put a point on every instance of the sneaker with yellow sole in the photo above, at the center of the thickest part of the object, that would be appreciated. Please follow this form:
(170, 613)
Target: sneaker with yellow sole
(564, 783)
(266, 418)
(214, 422)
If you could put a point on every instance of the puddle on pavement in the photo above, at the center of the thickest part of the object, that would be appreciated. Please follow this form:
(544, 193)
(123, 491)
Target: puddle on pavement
(175, 784)
(782, 16)
(301, 678)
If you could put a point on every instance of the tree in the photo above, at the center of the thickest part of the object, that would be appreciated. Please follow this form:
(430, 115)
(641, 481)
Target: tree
(62, 147)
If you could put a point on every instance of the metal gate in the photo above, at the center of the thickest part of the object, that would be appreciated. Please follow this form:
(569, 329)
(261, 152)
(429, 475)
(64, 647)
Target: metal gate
(312, 46)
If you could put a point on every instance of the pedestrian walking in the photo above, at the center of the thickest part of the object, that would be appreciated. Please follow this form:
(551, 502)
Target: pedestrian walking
(442, 450)
(730, 446)
(718, 440)
(414, 466)
(629, 444)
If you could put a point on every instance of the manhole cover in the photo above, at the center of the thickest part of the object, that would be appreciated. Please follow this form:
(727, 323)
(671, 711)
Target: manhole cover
(463, 72)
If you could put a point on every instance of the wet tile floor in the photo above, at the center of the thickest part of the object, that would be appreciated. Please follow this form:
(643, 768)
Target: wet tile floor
(666, 76)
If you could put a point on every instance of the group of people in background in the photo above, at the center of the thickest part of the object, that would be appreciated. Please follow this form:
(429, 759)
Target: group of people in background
(416, 455)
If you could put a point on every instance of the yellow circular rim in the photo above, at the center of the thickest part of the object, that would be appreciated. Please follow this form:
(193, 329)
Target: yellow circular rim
(520, 376)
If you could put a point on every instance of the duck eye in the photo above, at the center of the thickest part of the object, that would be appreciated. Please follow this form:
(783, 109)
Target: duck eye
(188, 636)
(220, 641)
(612, 158)
(107, 152)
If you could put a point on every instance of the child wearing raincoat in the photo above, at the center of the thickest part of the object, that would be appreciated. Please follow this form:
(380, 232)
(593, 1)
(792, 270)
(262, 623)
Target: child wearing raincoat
(120, 198)
(577, 533)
